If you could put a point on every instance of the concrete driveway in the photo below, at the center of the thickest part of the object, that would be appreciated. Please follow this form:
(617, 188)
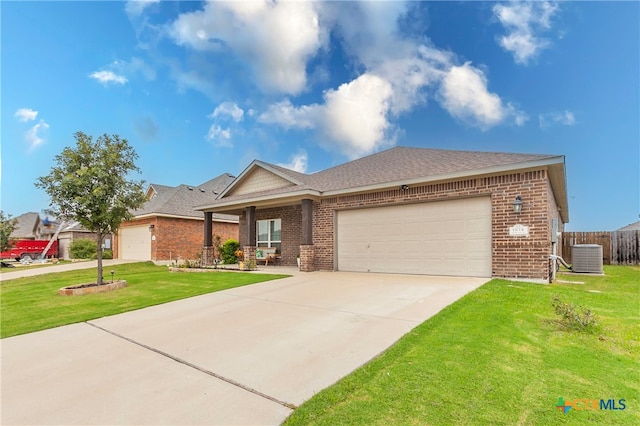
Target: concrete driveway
(242, 356)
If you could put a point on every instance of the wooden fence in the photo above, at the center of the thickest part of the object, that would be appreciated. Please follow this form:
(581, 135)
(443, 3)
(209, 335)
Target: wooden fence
(618, 247)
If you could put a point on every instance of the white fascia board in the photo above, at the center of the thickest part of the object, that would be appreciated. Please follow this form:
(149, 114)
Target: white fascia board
(237, 179)
(450, 176)
(172, 216)
(305, 193)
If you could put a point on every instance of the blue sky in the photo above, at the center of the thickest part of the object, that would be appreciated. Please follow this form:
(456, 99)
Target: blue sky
(203, 88)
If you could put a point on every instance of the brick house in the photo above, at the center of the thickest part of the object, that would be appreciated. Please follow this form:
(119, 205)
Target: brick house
(74, 231)
(407, 210)
(168, 228)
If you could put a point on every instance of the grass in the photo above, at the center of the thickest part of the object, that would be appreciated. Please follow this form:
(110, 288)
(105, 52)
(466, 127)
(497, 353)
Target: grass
(32, 304)
(500, 356)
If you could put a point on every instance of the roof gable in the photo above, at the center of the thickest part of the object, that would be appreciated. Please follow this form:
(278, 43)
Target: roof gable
(259, 177)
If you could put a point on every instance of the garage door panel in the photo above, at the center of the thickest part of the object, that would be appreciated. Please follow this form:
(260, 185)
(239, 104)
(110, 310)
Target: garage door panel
(440, 238)
(135, 243)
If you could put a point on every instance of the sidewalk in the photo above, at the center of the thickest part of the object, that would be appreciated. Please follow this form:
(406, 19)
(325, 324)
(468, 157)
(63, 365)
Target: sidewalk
(11, 274)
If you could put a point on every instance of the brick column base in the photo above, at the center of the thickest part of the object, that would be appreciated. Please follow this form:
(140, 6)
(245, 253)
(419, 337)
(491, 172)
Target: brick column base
(208, 256)
(307, 257)
(249, 254)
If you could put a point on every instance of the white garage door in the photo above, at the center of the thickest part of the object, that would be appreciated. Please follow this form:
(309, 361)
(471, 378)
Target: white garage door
(437, 238)
(135, 243)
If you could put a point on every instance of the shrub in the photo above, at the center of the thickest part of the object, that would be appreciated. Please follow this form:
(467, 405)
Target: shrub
(229, 249)
(83, 249)
(576, 318)
(106, 254)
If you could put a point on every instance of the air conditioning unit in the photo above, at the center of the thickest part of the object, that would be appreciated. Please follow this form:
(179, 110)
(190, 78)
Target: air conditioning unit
(586, 258)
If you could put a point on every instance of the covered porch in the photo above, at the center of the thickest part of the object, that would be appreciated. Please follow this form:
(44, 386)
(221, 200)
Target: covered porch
(285, 225)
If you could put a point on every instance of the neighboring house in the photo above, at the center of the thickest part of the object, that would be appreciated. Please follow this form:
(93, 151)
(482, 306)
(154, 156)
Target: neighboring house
(31, 227)
(407, 210)
(168, 228)
(28, 227)
(74, 231)
(632, 227)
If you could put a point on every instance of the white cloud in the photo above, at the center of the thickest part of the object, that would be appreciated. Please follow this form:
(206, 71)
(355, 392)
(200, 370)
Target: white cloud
(26, 114)
(33, 136)
(135, 8)
(133, 66)
(106, 77)
(393, 73)
(353, 117)
(219, 136)
(275, 38)
(522, 21)
(465, 95)
(286, 115)
(356, 115)
(563, 118)
(519, 117)
(229, 109)
(297, 163)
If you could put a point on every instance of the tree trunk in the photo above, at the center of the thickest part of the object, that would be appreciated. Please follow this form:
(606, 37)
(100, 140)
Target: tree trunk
(100, 237)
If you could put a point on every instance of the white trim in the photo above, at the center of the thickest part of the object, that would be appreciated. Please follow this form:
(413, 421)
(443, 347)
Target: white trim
(171, 216)
(304, 193)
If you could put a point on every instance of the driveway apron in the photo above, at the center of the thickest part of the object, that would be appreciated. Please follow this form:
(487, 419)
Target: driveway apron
(247, 355)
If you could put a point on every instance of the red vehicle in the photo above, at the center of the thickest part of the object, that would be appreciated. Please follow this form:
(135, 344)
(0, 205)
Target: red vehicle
(30, 250)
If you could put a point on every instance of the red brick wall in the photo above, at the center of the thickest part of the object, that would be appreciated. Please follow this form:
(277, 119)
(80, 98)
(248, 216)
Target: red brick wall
(512, 257)
(291, 217)
(520, 257)
(180, 238)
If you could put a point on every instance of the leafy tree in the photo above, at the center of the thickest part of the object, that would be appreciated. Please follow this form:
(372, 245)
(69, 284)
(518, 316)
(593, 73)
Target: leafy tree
(7, 226)
(90, 184)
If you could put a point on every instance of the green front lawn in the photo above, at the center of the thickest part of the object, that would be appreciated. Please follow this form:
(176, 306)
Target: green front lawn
(32, 304)
(499, 357)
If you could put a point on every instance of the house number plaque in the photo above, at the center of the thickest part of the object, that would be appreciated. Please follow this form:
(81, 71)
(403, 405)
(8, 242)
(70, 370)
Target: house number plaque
(518, 230)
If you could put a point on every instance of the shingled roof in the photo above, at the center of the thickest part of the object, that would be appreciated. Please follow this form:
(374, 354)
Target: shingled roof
(395, 166)
(179, 201)
(27, 226)
(402, 163)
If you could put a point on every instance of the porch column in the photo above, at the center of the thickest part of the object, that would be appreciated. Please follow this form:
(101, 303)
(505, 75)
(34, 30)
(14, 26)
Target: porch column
(208, 251)
(208, 236)
(250, 248)
(307, 222)
(251, 225)
(307, 249)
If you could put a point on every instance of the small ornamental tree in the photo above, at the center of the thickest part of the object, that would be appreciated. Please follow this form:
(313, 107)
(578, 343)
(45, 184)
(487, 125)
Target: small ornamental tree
(7, 226)
(90, 184)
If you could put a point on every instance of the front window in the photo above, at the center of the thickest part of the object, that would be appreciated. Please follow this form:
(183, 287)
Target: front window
(270, 233)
